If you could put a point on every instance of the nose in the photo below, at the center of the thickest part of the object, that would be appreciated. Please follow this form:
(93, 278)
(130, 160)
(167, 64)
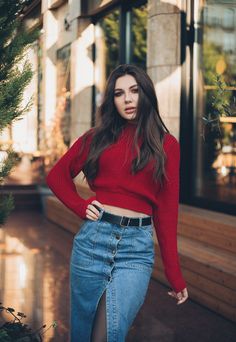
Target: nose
(128, 98)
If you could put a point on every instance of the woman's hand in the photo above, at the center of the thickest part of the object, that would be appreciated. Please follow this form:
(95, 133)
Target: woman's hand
(92, 212)
(180, 296)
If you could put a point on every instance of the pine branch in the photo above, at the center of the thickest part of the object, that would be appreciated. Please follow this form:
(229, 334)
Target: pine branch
(221, 106)
(14, 51)
(7, 164)
(15, 39)
(11, 96)
(6, 206)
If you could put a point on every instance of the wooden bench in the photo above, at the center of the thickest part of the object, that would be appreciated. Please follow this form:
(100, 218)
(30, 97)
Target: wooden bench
(206, 245)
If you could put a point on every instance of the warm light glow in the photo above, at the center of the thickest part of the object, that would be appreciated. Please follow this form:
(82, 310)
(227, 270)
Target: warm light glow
(214, 87)
(85, 64)
(104, 2)
(171, 83)
(171, 2)
(224, 171)
(3, 156)
(49, 65)
(220, 66)
(228, 119)
(22, 274)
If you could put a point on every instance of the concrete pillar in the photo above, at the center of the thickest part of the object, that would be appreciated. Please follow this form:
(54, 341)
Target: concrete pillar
(163, 58)
(82, 79)
(50, 37)
(24, 131)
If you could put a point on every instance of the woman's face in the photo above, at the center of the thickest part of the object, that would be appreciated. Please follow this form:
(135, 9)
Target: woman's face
(126, 96)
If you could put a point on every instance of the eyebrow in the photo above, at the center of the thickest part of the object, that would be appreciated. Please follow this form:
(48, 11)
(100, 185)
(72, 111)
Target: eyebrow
(134, 85)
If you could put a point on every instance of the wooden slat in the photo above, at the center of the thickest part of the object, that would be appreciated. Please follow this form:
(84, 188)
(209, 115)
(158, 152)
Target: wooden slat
(211, 287)
(204, 299)
(213, 228)
(209, 255)
(210, 237)
(211, 263)
(204, 223)
(206, 216)
(224, 279)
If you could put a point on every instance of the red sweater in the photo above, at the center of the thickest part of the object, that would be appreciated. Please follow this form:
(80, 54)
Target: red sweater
(115, 185)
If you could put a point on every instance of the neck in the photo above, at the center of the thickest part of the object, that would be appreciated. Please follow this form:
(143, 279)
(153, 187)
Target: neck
(131, 123)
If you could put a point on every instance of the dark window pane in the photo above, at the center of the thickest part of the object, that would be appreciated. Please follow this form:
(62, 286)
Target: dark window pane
(215, 142)
(138, 42)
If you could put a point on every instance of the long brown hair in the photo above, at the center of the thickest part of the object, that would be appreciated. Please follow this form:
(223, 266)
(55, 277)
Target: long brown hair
(149, 125)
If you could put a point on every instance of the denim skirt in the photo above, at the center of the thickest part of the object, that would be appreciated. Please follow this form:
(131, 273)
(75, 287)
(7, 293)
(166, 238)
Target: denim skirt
(112, 258)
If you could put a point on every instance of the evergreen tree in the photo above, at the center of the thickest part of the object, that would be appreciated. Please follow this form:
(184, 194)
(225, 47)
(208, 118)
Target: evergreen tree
(14, 41)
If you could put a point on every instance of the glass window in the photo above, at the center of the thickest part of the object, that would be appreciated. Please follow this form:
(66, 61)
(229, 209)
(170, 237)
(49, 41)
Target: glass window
(214, 91)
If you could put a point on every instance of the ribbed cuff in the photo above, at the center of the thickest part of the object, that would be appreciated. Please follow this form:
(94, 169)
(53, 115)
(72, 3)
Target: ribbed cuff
(179, 285)
(84, 205)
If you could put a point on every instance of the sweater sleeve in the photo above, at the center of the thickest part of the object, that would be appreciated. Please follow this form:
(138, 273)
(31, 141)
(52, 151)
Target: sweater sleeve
(60, 177)
(165, 217)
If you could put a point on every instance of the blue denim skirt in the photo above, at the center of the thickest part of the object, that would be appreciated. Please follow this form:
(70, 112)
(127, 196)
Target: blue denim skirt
(112, 258)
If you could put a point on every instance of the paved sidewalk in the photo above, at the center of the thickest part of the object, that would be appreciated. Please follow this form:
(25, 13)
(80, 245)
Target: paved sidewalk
(34, 279)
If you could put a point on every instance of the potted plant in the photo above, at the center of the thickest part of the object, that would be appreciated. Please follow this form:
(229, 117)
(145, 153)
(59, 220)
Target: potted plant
(15, 330)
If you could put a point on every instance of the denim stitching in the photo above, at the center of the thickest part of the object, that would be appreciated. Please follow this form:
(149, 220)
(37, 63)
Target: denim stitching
(90, 253)
(142, 267)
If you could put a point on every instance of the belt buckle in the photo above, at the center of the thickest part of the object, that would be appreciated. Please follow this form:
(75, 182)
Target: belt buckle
(124, 218)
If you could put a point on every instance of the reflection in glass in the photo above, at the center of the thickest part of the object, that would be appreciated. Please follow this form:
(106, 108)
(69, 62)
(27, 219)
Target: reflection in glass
(215, 54)
(138, 52)
(107, 50)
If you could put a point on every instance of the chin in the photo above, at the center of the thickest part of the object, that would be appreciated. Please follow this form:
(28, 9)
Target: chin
(129, 118)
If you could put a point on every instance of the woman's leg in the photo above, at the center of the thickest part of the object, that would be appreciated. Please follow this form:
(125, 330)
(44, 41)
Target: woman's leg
(99, 333)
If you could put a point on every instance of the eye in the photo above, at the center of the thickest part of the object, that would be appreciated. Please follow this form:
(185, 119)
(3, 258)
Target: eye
(118, 94)
(135, 90)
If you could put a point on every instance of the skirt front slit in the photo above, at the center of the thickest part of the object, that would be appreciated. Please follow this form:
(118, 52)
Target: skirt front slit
(112, 258)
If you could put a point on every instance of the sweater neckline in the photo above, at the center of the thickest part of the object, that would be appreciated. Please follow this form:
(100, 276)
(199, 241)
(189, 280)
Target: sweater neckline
(130, 125)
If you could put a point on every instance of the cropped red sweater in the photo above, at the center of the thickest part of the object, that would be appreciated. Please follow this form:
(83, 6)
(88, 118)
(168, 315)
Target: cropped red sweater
(115, 185)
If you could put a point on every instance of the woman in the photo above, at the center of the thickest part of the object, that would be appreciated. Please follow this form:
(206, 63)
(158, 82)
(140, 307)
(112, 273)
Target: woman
(131, 162)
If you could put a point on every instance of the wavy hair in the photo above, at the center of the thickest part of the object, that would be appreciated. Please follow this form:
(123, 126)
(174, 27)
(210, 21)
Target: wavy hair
(109, 125)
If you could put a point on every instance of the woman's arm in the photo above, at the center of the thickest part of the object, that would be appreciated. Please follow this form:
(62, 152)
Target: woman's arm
(165, 216)
(60, 177)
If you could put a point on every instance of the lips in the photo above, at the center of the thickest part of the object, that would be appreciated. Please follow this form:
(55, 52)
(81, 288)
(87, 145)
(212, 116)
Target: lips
(130, 109)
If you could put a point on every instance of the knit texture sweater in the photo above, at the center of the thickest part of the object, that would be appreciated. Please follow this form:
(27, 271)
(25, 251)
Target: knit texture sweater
(116, 185)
